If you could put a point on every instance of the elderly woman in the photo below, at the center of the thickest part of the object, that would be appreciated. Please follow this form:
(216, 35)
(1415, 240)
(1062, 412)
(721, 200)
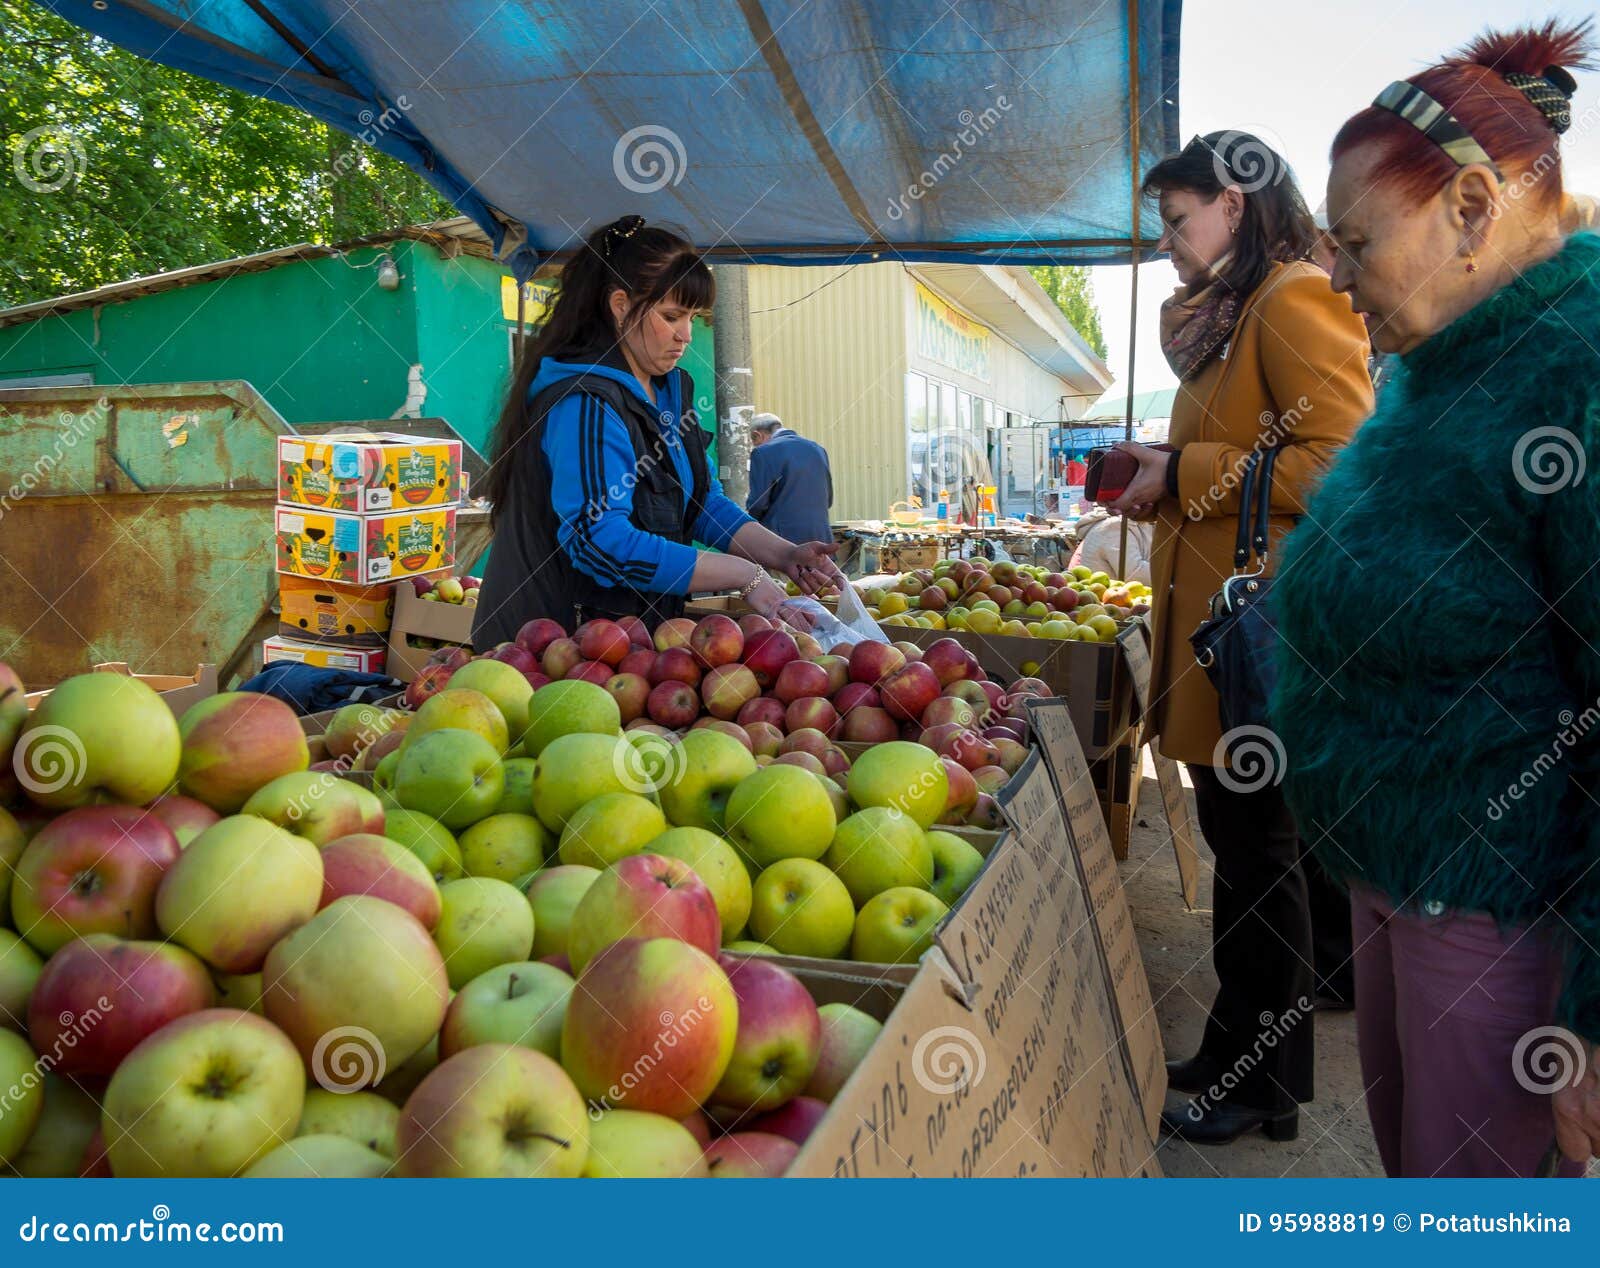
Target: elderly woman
(1440, 618)
(1267, 356)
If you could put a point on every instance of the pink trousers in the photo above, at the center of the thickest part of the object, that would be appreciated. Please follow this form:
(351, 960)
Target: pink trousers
(1441, 1001)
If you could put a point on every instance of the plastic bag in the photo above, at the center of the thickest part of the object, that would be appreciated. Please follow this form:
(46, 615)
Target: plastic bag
(851, 626)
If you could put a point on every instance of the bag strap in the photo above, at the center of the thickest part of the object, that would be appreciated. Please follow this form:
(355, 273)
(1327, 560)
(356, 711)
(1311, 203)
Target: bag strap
(1263, 525)
(1241, 542)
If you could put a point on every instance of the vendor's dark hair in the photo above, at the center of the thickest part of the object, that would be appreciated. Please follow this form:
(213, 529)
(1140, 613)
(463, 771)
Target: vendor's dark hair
(1275, 224)
(651, 264)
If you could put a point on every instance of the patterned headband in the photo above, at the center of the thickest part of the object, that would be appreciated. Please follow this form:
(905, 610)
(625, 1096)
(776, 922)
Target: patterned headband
(1436, 123)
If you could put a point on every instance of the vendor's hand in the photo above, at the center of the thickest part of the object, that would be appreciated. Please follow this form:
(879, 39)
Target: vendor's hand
(1577, 1112)
(810, 566)
(1148, 486)
(768, 597)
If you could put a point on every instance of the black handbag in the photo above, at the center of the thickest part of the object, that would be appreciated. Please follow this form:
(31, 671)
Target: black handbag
(1236, 645)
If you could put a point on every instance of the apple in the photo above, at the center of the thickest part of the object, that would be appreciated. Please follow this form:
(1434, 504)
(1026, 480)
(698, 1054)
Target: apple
(972, 692)
(430, 680)
(630, 1144)
(367, 864)
(19, 1075)
(856, 695)
(727, 689)
(909, 650)
(714, 861)
(461, 709)
(14, 837)
(806, 740)
(13, 711)
(985, 813)
(325, 1157)
(731, 729)
(539, 633)
(516, 792)
(637, 631)
(717, 640)
(707, 767)
(98, 737)
(494, 1111)
(778, 1041)
(428, 839)
(482, 923)
(765, 739)
(506, 688)
(651, 1026)
(67, 1121)
(948, 660)
(569, 708)
(956, 864)
(554, 894)
(676, 664)
(896, 926)
(753, 623)
(504, 846)
(239, 990)
(317, 806)
(990, 779)
(522, 1004)
(805, 761)
(99, 997)
(604, 641)
(453, 776)
(909, 691)
(95, 869)
(631, 692)
(608, 828)
(970, 749)
(868, 725)
(673, 704)
(780, 813)
(675, 632)
(762, 709)
(794, 1121)
(905, 776)
(241, 885)
(644, 896)
(236, 741)
(20, 966)
(948, 711)
(767, 652)
(812, 713)
(574, 769)
(206, 1095)
(963, 794)
(877, 849)
(994, 697)
(357, 729)
(799, 907)
(872, 662)
(513, 656)
(750, 1156)
(799, 679)
(1011, 754)
(364, 1117)
(559, 658)
(451, 654)
(847, 1036)
(399, 1084)
(837, 796)
(834, 761)
(638, 662)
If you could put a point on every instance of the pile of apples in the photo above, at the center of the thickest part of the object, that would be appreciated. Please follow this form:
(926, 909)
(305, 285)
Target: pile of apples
(780, 695)
(1017, 600)
(459, 590)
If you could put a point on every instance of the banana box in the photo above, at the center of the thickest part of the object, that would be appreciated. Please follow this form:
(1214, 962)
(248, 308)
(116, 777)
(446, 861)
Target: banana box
(365, 660)
(331, 613)
(369, 471)
(361, 550)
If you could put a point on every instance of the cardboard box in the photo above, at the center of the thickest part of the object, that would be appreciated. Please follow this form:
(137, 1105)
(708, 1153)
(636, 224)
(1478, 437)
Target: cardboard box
(380, 471)
(365, 660)
(178, 690)
(355, 615)
(362, 549)
(444, 622)
(732, 605)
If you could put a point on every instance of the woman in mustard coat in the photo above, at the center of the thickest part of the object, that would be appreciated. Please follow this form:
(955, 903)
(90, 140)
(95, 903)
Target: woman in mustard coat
(1267, 356)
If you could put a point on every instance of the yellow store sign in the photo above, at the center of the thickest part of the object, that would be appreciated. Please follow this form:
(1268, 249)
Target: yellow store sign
(537, 297)
(945, 336)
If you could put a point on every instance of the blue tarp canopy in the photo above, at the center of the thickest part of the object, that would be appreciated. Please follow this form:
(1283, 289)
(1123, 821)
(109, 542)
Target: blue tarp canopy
(774, 131)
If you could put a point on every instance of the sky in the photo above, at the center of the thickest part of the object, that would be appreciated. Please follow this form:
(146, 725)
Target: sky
(1292, 73)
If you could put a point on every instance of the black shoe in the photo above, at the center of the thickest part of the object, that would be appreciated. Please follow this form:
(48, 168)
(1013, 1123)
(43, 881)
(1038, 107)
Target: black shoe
(1197, 1074)
(1218, 1124)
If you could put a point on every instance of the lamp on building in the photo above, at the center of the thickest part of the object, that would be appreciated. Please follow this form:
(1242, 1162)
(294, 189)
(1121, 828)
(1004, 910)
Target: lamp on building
(388, 274)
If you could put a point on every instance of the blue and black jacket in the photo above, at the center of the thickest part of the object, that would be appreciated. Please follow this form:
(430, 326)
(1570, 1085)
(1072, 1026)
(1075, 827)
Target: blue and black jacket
(607, 494)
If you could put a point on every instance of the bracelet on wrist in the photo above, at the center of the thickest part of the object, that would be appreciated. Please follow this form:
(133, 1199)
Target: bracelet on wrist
(751, 585)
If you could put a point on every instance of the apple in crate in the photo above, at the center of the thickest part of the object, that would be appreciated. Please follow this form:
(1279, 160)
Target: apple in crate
(515, 655)
(986, 814)
(765, 739)
(948, 710)
(896, 926)
(316, 806)
(364, 1117)
(956, 865)
(856, 695)
(963, 793)
(522, 1003)
(750, 1155)
(762, 709)
(637, 631)
(717, 640)
(673, 704)
(554, 893)
(727, 689)
(799, 679)
(877, 849)
(707, 768)
(866, 724)
(972, 692)
(767, 652)
(354, 728)
(538, 634)
(575, 769)
(630, 1144)
(559, 658)
(431, 680)
(25, 1096)
(718, 867)
(675, 632)
(753, 623)
(812, 713)
(847, 1036)
(948, 660)
(483, 922)
(644, 896)
(569, 708)
(237, 741)
(779, 1039)
(872, 662)
(364, 863)
(799, 907)
(632, 694)
(20, 966)
(903, 775)
(324, 1157)
(676, 664)
(794, 1121)
(452, 775)
(604, 641)
(909, 691)
(731, 729)
(780, 813)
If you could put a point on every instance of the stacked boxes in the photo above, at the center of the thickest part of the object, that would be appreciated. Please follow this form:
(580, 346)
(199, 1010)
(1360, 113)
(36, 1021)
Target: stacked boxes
(357, 512)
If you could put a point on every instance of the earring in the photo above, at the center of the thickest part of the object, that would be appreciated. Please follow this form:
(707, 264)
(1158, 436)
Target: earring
(1472, 261)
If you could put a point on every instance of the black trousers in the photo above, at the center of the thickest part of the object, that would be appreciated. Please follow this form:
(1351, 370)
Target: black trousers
(1260, 1031)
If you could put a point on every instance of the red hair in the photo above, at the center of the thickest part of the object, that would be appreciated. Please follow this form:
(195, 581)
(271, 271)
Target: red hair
(1500, 118)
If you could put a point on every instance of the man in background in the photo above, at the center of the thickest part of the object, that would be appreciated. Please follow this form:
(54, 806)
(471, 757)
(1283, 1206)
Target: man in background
(791, 485)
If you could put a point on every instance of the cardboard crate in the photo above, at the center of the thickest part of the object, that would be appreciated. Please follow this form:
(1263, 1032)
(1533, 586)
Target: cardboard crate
(363, 549)
(732, 605)
(178, 690)
(365, 660)
(357, 616)
(364, 472)
(413, 615)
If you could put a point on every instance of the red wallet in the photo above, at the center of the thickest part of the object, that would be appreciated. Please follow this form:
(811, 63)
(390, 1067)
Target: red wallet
(1110, 470)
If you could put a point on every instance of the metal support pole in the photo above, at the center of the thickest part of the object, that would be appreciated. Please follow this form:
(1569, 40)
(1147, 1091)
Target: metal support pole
(735, 389)
(1136, 246)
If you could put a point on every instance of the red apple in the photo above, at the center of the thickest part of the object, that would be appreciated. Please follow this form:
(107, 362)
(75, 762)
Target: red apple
(798, 679)
(990, 779)
(673, 704)
(794, 1121)
(866, 724)
(812, 712)
(537, 678)
(779, 1039)
(638, 661)
(186, 817)
(767, 652)
(986, 814)
(932, 599)
(1028, 687)
(909, 691)
(539, 633)
(727, 689)
(750, 1156)
(834, 761)
(364, 863)
(637, 631)
(643, 896)
(908, 649)
(676, 664)
(604, 641)
(559, 658)
(765, 739)
(963, 792)
(1065, 599)
(233, 743)
(1007, 729)
(872, 662)
(856, 695)
(971, 750)
(675, 632)
(805, 761)
(806, 740)
(631, 692)
(971, 691)
(807, 646)
(996, 695)
(595, 671)
(717, 640)
(948, 660)
(762, 709)
(517, 656)
(429, 682)
(838, 671)
(732, 729)
(943, 710)
(753, 623)
(421, 585)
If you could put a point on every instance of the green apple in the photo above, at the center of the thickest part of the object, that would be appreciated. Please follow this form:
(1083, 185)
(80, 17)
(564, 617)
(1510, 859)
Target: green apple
(428, 839)
(745, 947)
(632, 1144)
(847, 1035)
(569, 707)
(574, 769)
(611, 827)
(708, 767)
(503, 684)
(717, 864)
(398, 1085)
(837, 797)
(906, 776)
(504, 846)
(452, 775)
(206, 1095)
(12, 841)
(325, 1157)
(364, 1117)
(780, 812)
(516, 797)
(239, 990)
(460, 709)
(877, 849)
(799, 907)
(896, 927)
(553, 894)
(523, 1004)
(956, 864)
(316, 805)
(482, 923)
(20, 966)
(98, 737)
(55, 1150)
(24, 1084)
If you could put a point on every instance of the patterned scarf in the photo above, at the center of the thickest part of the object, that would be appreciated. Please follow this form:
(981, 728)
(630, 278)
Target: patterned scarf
(1196, 322)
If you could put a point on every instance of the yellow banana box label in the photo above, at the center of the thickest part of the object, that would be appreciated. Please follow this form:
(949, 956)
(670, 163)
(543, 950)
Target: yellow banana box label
(369, 471)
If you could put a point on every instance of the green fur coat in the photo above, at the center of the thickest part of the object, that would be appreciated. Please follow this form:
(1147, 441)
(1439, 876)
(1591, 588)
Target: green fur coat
(1439, 614)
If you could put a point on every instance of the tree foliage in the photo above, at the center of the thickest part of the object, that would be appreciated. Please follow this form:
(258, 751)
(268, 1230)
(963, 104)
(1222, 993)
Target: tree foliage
(117, 167)
(1072, 289)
